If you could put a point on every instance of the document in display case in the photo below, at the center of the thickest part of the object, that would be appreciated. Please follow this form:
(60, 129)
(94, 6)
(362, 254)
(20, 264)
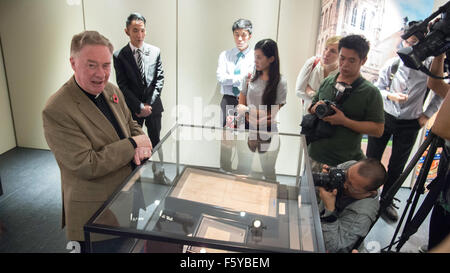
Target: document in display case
(227, 191)
(216, 229)
(218, 195)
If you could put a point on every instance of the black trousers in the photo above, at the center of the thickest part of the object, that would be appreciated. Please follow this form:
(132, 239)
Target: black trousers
(153, 124)
(228, 102)
(440, 218)
(404, 134)
(439, 226)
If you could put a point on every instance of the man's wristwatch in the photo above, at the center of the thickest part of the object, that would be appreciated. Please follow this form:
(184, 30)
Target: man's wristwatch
(142, 106)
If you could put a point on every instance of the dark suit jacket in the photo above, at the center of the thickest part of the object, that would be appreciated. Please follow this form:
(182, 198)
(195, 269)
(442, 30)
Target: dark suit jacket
(129, 79)
(92, 159)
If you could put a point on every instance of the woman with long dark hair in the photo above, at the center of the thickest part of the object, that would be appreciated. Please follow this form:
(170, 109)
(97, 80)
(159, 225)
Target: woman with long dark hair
(264, 92)
(262, 95)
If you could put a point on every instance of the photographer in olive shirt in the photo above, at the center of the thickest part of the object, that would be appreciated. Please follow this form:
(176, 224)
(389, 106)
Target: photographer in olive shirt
(360, 113)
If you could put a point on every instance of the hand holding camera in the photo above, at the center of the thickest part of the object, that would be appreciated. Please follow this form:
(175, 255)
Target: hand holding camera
(337, 118)
(322, 108)
(328, 198)
(329, 112)
(329, 183)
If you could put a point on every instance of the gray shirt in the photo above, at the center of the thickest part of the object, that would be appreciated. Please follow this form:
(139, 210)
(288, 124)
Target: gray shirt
(406, 81)
(353, 221)
(254, 95)
(254, 92)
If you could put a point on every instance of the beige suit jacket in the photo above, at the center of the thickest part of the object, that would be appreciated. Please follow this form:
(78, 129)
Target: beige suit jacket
(93, 160)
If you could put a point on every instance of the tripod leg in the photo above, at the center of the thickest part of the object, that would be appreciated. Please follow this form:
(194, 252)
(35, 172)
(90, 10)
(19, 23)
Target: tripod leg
(397, 229)
(413, 223)
(418, 186)
(387, 199)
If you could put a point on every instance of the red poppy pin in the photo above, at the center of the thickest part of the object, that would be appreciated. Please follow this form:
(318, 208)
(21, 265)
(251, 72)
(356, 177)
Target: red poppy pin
(115, 98)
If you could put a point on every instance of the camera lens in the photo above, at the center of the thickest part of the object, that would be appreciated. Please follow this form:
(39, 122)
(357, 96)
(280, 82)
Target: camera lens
(321, 110)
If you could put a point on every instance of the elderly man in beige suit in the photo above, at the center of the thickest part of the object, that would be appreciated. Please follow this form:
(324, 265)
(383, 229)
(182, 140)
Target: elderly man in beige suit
(89, 129)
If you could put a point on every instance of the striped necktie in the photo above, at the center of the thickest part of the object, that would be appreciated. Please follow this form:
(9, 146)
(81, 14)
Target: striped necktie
(237, 71)
(141, 65)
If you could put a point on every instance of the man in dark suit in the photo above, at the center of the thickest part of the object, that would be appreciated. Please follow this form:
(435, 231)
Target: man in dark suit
(140, 76)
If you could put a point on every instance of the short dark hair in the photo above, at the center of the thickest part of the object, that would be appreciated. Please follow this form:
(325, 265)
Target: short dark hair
(135, 17)
(373, 169)
(356, 42)
(243, 24)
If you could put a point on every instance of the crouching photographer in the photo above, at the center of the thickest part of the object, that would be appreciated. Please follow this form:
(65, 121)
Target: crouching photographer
(348, 201)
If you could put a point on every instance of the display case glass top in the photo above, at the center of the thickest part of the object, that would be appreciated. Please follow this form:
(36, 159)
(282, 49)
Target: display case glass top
(217, 190)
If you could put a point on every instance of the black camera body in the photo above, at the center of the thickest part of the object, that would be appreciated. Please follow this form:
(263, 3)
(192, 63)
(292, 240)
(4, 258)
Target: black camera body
(324, 109)
(436, 42)
(313, 127)
(334, 179)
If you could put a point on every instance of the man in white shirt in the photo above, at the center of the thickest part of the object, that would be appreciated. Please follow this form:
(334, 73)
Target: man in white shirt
(403, 91)
(234, 65)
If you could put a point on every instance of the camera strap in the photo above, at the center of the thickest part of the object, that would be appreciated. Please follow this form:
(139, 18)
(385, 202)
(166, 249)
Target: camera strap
(344, 90)
(394, 69)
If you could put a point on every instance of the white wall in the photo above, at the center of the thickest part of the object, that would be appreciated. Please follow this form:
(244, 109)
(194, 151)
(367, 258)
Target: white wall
(36, 43)
(7, 138)
(161, 32)
(36, 49)
(297, 35)
(204, 32)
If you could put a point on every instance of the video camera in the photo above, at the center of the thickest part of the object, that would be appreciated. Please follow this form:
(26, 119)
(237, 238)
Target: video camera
(334, 179)
(434, 43)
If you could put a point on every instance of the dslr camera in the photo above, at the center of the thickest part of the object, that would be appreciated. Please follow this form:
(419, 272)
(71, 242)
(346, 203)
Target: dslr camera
(324, 110)
(334, 179)
(434, 43)
(313, 127)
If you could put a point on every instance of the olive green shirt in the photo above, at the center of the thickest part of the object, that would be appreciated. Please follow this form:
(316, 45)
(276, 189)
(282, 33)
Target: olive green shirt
(363, 104)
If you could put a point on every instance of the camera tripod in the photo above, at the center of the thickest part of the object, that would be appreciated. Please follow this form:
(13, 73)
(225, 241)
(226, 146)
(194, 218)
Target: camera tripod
(413, 222)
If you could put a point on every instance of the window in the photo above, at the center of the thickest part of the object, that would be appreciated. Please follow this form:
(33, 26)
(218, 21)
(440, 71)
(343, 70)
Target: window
(323, 21)
(329, 15)
(362, 26)
(354, 13)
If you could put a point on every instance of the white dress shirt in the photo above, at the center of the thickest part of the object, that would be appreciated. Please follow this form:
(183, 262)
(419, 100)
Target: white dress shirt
(410, 82)
(135, 54)
(225, 69)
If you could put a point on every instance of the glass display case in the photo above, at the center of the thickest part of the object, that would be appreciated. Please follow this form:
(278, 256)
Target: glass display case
(209, 189)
